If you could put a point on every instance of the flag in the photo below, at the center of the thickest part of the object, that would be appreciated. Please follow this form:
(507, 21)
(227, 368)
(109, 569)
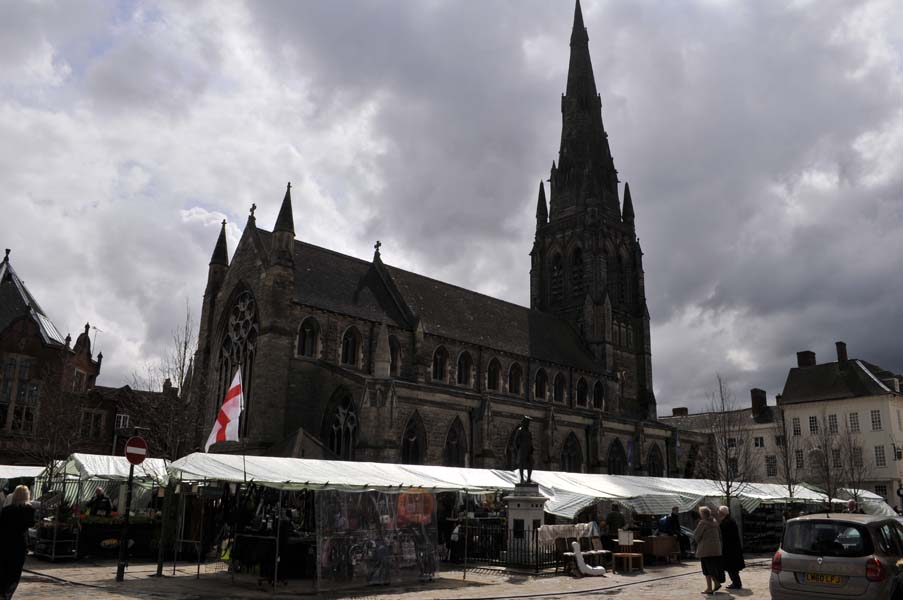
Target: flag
(226, 426)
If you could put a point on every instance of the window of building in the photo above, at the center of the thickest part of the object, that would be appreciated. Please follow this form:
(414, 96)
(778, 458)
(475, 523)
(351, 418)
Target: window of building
(854, 422)
(599, 396)
(813, 424)
(577, 287)
(122, 421)
(798, 455)
(92, 425)
(351, 347)
(655, 462)
(581, 392)
(78, 381)
(759, 442)
(857, 457)
(731, 442)
(238, 350)
(455, 451)
(492, 375)
(876, 420)
(899, 421)
(835, 458)
(464, 368)
(571, 455)
(880, 458)
(557, 283)
(881, 490)
(832, 423)
(308, 338)
(18, 394)
(514, 379)
(413, 442)
(340, 428)
(732, 466)
(440, 358)
(542, 385)
(797, 430)
(6, 388)
(779, 441)
(617, 459)
(394, 356)
(559, 388)
(771, 466)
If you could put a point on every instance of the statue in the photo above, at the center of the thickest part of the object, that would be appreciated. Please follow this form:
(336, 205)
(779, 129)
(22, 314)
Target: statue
(523, 449)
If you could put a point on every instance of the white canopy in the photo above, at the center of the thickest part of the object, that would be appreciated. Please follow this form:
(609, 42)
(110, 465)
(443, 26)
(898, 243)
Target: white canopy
(16, 471)
(101, 466)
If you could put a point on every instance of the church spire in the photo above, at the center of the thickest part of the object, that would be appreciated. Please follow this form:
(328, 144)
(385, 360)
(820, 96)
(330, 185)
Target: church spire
(628, 215)
(285, 221)
(542, 214)
(220, 252)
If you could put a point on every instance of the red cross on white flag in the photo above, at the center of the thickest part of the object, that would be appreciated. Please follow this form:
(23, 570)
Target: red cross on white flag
(226, 426)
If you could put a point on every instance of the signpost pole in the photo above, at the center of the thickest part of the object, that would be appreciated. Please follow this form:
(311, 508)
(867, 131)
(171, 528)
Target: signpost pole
(124, 538)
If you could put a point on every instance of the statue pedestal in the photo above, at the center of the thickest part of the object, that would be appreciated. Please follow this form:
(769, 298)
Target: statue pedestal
(525, 515)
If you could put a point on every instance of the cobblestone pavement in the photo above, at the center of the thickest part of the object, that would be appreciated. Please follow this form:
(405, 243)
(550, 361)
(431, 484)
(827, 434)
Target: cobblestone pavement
(95, 581)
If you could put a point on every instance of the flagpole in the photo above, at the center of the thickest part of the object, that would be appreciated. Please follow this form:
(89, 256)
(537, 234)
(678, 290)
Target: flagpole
(242, 439)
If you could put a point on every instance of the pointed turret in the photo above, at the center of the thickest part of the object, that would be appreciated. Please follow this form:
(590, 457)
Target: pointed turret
(627, 213)
(542, 213)
(284, 230)
(286, 221)
(220, 251)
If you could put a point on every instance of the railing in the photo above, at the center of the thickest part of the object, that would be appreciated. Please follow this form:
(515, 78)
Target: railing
(497, 545)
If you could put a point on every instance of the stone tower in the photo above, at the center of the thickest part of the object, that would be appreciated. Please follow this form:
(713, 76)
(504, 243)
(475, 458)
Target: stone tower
(587, 265)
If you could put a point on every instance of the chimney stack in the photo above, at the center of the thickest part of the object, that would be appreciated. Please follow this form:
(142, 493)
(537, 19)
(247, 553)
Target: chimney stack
(759, 401)
(841, 353)
(680, 411)
(805, 358)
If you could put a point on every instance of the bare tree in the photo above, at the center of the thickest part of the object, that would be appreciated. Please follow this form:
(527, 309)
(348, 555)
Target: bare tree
(824, 454)
(787, 446)
(730, 460)
(856, 468)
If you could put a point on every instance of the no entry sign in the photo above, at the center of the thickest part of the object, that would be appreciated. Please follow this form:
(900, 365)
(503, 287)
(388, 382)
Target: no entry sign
(136, 450)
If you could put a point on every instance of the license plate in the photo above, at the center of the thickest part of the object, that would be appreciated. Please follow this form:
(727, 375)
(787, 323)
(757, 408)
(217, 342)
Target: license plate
(826, 579)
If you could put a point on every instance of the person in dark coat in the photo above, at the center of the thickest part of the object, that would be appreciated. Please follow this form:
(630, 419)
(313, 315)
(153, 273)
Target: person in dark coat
(731, 548)
(15, 520)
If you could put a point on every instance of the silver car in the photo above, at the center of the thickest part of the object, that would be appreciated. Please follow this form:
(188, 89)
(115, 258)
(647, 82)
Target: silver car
(839, 556)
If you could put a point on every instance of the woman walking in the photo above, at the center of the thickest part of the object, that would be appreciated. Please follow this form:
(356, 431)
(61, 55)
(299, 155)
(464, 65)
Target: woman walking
(14, 523)
(731, 548)
(708, 548)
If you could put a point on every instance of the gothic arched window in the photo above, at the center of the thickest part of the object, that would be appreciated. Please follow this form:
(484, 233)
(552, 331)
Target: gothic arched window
(351, 347)
(455, 452)
(599, 395)
(581, 392)
(514, 378)
(557, 282)
(542, 384)
(237, 351)
(340, 426)
(394, 355)
(492, 375)
(655, 464)
(571, 455)
(690, 466)
(559, 388)
(577, 287)
(440, 359)
(413, 441)
(617, 459)
(465, 365)
(308, 338)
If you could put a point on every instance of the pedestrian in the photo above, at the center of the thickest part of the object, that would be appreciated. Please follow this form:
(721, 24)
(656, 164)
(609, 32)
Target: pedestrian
(731, 548)
(673, 528)
(100, 505)
(708, 549)
(15, 520)
(614, 520)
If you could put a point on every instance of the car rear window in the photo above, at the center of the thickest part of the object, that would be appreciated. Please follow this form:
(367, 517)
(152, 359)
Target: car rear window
(824, 538)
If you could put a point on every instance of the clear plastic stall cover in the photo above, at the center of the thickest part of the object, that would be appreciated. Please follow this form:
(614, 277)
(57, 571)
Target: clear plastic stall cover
(375, 538)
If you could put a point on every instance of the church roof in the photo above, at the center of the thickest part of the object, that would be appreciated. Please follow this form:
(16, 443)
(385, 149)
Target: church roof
(344, 284)
(16, 302)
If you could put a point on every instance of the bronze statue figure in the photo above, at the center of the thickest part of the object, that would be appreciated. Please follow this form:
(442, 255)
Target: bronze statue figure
(523, 449)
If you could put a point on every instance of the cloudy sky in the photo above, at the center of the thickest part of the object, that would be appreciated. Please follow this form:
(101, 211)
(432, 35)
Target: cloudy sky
(763, 142)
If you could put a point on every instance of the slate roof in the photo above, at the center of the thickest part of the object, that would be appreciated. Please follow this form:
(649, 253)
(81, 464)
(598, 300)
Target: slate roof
(700, 421)
(336, 282)
(829, 382)
(16, 301)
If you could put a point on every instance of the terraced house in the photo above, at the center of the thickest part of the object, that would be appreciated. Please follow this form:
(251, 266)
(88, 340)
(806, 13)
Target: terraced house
(357, 359)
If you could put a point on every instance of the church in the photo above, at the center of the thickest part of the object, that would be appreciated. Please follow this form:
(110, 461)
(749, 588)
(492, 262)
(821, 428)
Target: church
(351, 359)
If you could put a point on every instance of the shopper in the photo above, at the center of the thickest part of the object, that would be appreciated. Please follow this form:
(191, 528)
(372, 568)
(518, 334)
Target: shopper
(731, 548)
(708, 548)
(614, 520)
(100, 504)
(672, 527)
(15, 520)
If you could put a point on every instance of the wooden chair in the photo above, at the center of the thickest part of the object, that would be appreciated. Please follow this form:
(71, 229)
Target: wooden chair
(564, 556)
(604, 555)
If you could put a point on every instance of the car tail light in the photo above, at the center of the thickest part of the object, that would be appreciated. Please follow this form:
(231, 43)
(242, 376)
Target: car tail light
(776, 562)
(874, 570)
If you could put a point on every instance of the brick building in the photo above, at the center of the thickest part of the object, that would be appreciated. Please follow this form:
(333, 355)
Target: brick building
(357, 359)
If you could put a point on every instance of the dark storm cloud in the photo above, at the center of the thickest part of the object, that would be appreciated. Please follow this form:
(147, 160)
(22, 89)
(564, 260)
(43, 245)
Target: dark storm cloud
(762, 142)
